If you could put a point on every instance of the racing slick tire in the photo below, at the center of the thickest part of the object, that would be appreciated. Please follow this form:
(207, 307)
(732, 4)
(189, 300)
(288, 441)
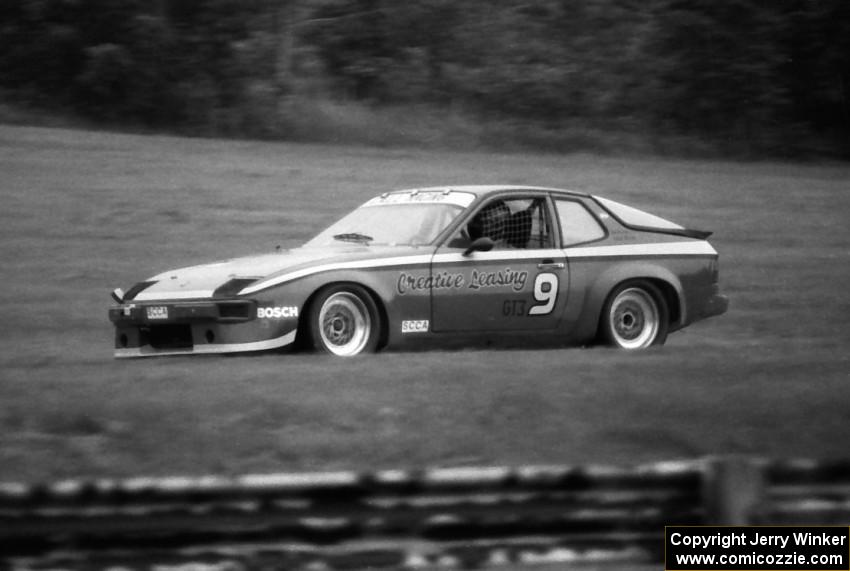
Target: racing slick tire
(344, 321)
(635, 316)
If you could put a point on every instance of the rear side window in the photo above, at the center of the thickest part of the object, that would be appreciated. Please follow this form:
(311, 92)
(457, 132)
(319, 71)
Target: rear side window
(577, 224)
(634, 217)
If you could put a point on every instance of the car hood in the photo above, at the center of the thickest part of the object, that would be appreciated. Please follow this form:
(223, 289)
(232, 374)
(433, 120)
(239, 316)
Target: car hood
(230, 277)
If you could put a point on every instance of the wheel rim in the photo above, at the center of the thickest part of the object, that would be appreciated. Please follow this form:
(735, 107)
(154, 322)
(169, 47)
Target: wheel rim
(634, 319)
(345, 324)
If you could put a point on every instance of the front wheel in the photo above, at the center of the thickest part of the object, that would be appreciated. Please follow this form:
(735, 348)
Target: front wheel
(635, 316)
(344, 321)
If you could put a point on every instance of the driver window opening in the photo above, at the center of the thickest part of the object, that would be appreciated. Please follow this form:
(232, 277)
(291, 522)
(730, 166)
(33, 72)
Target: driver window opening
(520, 223)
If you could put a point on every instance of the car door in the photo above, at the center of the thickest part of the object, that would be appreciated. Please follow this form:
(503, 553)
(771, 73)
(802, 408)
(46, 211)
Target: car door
(520, 284)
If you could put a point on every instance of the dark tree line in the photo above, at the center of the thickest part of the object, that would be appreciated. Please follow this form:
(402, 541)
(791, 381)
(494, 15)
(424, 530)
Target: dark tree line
(772, 76)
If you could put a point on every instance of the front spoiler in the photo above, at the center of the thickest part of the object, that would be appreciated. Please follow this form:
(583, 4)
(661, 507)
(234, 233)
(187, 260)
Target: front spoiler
(213, 349)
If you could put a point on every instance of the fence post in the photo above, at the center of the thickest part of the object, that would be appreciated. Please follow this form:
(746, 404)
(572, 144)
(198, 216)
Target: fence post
(733, 490)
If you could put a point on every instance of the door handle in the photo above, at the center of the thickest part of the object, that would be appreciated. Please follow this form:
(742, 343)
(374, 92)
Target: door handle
(550, 265)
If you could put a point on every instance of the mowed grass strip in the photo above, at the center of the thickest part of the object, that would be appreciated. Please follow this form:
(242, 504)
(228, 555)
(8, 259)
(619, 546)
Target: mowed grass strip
(84, 212)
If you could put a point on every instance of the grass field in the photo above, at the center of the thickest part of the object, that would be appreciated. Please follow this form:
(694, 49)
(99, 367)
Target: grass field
(84, 212)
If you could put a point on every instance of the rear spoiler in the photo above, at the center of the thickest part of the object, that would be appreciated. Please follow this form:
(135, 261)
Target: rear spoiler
(691, 233)
(687, 232)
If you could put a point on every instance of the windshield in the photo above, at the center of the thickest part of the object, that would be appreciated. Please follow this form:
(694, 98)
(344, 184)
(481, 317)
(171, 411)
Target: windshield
(390, 224)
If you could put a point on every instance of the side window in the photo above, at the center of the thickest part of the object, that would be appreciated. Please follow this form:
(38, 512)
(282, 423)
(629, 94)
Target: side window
(516, 223)
(577, 224)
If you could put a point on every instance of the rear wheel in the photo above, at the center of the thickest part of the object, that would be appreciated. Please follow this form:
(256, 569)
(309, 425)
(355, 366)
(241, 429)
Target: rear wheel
(344, 321)
(635, 316)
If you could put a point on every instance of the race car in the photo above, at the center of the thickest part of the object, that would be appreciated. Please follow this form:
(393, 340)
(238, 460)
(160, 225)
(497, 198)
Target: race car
(439, 267)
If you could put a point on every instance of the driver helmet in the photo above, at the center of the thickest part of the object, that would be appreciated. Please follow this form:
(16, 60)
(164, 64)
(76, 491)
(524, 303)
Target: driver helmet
(490, 221)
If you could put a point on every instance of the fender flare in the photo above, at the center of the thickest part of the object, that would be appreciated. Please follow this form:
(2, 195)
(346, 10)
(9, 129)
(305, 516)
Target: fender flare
(599, 290)
(379, 291)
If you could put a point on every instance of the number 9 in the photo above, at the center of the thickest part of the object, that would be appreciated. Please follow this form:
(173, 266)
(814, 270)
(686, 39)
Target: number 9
(546, 292)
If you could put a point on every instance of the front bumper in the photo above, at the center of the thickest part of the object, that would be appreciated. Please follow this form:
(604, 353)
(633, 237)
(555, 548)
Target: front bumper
(153, 313)
(196, 327)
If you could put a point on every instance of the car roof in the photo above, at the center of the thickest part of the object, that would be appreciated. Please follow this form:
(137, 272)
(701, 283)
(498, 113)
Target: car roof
(485, 189)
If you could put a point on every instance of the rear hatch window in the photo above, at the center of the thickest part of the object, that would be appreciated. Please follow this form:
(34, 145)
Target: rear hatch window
(638, 218)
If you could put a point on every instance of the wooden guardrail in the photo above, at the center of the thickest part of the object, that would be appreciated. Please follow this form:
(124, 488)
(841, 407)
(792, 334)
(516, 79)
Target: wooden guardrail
(804, 492)
(462, 517)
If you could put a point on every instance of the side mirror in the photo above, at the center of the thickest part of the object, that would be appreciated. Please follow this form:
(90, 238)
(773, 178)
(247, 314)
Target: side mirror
(482, 244)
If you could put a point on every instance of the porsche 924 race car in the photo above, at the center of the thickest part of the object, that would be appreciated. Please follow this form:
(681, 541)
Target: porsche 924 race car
(448, 266)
